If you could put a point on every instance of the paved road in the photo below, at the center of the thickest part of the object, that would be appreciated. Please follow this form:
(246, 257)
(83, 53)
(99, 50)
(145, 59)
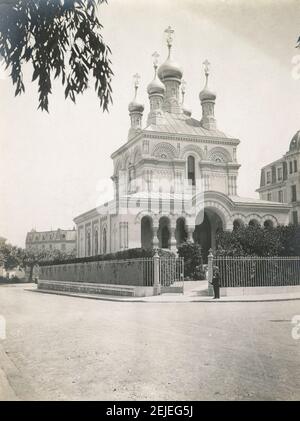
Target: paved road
(60, 347)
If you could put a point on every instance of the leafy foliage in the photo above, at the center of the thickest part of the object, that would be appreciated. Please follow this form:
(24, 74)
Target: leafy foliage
(134, 253)
(61, 39)
(259, 241)
(193, 263)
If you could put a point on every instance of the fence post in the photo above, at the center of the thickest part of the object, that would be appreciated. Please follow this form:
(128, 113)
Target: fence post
(210, 273)
(156, 283)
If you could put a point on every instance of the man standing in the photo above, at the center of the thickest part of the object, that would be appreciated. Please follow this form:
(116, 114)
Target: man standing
(216, 282)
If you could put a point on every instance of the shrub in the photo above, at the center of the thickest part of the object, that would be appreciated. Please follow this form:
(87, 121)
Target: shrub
(136, 253)
(259, 241)
(193, 263)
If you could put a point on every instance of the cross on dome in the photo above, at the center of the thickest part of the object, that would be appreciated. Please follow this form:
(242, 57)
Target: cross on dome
(155, 56)
(169, 31)
(136, 80)
(206, 67)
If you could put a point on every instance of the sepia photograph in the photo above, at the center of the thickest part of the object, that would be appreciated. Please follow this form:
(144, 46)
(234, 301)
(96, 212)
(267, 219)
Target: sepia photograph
(149, 203)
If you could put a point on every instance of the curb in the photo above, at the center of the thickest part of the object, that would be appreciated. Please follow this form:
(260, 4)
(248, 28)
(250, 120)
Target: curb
(143, 300)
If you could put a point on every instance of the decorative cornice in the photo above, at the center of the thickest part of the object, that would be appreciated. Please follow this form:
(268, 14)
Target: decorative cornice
(191, 138)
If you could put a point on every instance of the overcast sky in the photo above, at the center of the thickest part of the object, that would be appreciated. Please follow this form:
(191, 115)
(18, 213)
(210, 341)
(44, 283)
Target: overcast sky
(52, 164)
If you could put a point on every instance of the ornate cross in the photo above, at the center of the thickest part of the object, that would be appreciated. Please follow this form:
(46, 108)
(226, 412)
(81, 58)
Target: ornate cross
(206, 67)
(169, 31)
(155, 56)
(136, 80)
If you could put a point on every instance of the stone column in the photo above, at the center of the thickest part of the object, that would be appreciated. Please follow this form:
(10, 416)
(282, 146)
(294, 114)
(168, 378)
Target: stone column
(156, 280)
(210, 290)
(173, 243)
(155, 237)
(190, 231)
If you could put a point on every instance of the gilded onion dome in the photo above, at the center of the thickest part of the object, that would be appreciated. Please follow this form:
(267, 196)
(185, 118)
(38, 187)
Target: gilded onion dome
(135, 106)
(206, 94)
(156, 87)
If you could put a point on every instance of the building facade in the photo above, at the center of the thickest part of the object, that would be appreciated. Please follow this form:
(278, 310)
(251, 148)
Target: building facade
(280, 180)
(62, 240)
(176, 176)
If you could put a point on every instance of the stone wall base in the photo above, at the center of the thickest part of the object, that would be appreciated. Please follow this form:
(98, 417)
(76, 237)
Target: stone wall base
(94, 288)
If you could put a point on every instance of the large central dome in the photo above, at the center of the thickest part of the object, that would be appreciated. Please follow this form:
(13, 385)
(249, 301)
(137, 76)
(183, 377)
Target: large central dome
(170, 69)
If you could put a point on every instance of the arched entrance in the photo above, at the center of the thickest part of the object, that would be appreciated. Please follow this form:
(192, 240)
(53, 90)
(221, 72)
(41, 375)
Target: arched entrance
(180, 233)
(208, 223)
(146, 232)
(164, 233)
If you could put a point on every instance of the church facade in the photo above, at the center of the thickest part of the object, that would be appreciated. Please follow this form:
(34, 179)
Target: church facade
(175, 178)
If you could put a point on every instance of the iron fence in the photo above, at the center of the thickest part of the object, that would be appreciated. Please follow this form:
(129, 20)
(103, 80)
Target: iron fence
(134, 272)
(171, 274)
(258, 271)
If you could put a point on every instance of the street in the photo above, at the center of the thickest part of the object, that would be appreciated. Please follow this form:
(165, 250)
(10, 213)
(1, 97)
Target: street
(69, 348)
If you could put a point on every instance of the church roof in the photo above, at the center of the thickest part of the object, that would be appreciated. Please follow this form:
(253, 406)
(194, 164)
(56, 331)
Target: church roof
(183, 124)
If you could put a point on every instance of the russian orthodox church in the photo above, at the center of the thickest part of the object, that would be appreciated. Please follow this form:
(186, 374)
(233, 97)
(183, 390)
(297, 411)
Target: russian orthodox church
(175, 179)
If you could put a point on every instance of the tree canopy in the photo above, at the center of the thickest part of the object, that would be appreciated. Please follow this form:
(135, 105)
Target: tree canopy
(61, 39)
(260, 241)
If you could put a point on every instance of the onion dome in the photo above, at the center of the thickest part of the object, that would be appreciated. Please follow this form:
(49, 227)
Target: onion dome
(156, 87)
(169, 69)
(135, 106)
(295, 142)
(206, 94)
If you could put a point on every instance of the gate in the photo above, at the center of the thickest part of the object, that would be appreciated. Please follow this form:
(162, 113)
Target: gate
(171, 274)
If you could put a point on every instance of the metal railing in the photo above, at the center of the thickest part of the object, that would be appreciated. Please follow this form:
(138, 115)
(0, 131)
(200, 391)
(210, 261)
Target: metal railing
(153, 272)
(171, 273)
(258, 271)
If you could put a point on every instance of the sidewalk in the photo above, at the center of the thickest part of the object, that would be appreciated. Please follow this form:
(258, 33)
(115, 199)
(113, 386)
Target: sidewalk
(191, 295)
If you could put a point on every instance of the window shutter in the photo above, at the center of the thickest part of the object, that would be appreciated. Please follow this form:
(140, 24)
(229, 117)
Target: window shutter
(273, 174)
(262, 178)
(284, 170)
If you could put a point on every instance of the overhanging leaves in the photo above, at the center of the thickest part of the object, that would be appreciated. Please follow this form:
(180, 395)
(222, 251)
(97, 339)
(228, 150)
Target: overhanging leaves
(62, 39)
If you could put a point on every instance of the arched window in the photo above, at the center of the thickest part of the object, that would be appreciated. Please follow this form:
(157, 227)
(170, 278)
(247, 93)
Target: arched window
(237, 223)
(191, 170)
(104, 241)
(268, 223)
(96, 242)
(254, 223)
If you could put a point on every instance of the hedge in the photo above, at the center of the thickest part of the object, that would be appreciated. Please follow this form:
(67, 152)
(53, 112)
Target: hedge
(136, 253)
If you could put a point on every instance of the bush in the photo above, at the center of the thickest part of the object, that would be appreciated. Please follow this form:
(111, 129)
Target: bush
(136, 253)
(259, 241)
(193, 263)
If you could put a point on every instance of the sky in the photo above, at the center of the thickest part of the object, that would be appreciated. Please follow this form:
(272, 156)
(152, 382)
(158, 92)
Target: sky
(54, 166)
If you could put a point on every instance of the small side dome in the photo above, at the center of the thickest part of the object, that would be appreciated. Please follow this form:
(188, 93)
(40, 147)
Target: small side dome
(295, 142)
(170, 69)
(156, 87)
(207, 95)
(135, 107)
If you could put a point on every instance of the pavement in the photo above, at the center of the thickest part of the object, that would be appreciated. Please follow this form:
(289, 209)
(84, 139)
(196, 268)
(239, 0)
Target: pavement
(73, 348)
(194, 292)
